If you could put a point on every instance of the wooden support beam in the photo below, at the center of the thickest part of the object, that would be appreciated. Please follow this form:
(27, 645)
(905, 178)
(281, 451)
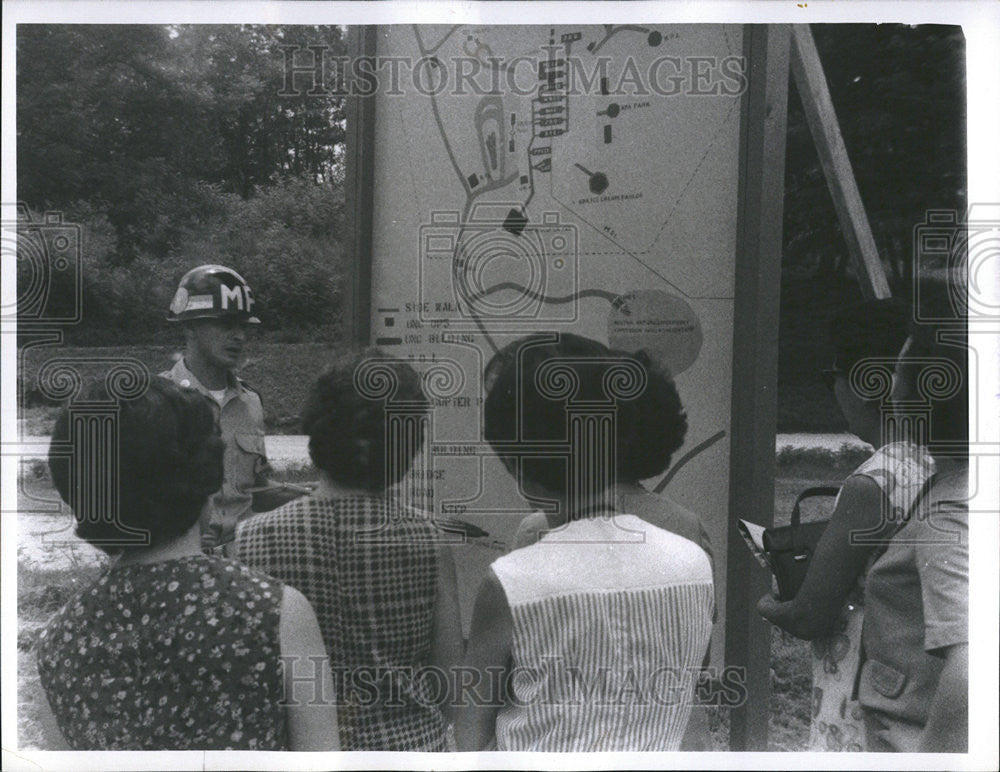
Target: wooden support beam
(815, 95)
(755, 369)
(359, 184)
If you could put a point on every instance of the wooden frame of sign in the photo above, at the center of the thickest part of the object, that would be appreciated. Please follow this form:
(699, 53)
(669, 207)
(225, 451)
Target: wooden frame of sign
(755, 355)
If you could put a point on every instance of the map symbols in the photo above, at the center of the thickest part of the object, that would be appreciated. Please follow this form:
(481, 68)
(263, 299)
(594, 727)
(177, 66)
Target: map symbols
(655, 38)
(607, 134)
(390, 321)
(473, 180)
(515, 221)
(598, 180)
(550, 69)
(614, 109)
(491, 148)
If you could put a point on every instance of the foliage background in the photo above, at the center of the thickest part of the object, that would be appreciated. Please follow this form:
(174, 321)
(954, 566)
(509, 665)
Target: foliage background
(172, 146)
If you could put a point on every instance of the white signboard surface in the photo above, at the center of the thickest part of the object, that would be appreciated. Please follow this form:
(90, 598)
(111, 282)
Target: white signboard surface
(577, 179)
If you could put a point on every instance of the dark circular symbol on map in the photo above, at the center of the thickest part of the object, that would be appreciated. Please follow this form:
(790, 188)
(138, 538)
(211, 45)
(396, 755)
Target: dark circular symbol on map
(655, 38)
(598, 182)
(613, 109)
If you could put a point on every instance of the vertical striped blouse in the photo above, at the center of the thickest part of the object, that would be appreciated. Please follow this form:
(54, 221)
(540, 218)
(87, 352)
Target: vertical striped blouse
(611, 620)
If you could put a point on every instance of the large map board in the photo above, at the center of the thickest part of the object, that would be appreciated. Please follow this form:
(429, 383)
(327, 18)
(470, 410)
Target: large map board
(580, 179)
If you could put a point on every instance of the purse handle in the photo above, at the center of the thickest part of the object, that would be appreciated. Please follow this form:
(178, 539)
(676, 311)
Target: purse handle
(808, 493)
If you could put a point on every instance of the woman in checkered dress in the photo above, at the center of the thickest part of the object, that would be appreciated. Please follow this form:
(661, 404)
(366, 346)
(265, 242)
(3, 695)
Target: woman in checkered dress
(382, 585)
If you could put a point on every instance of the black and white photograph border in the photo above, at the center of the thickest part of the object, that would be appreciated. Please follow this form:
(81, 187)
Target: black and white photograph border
(412, 314)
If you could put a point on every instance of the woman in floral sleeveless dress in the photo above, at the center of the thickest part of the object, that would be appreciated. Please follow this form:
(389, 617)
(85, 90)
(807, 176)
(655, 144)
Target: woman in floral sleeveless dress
(172, 649)
(871, 506)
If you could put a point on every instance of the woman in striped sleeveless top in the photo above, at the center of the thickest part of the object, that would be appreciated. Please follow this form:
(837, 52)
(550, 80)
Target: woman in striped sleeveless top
(590, 638)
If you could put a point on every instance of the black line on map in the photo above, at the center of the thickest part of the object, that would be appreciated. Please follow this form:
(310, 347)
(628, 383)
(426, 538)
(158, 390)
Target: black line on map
(611, 297)
(687, 457)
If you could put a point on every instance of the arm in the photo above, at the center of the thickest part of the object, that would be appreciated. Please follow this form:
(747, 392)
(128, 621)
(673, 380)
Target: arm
(490, 643)
(947, 729)
(529, 530)
(836, 565)
(274, 495)
(698, 735)
(446, 641)
(310, 712)
(269, 494)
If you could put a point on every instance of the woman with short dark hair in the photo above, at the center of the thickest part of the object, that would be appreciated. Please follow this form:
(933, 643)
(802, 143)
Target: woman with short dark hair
(172, 649)
(383, 587)
(588, 639)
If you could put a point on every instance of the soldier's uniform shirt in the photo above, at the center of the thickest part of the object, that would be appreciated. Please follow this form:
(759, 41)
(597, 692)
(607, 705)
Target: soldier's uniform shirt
(241, 420)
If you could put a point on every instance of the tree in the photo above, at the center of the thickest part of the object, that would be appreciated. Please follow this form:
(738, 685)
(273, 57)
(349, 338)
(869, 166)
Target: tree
(150, 121)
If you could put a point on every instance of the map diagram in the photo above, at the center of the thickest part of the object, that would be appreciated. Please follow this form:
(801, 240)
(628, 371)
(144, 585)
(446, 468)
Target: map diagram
(562, 178)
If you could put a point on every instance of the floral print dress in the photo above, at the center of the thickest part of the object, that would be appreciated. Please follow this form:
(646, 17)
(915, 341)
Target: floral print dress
(177, 655)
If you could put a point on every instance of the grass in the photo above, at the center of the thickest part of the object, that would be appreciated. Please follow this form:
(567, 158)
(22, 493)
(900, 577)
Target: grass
(42, 591)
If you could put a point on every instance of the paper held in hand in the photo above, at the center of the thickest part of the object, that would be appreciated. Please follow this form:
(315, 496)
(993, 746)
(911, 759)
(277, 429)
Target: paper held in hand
(753, 535)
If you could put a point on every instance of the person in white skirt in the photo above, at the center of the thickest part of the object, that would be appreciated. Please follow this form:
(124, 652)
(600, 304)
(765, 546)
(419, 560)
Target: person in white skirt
(589, 639)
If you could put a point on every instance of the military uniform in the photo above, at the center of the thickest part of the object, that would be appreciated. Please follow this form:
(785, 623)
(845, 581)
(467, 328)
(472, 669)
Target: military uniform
(241, 419)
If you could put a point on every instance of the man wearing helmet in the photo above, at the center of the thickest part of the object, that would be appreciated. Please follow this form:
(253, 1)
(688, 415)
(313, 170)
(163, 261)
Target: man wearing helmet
(214, 305)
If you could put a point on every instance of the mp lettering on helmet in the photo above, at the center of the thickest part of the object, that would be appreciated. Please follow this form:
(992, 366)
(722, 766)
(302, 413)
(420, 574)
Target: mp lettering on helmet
(240, 295)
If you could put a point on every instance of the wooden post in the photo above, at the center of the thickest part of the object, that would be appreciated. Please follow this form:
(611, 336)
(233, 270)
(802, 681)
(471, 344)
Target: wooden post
(755, 368)
(359, 182)
(815, 95)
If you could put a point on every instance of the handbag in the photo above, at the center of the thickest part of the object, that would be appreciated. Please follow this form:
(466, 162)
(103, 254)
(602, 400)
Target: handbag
(789, 548)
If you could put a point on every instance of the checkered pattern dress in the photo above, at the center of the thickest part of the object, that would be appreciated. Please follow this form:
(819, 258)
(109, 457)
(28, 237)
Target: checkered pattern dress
(369, 570)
